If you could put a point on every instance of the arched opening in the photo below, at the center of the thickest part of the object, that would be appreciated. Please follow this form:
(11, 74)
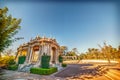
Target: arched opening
(53, 55)
(24, 52)
(35, 54)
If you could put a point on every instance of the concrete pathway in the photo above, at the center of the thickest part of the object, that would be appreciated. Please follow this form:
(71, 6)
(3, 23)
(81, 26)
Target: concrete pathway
(14, 75)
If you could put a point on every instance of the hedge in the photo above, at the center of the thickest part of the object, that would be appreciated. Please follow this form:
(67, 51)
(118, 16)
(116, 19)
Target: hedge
(13, 67)
(45, 61)
(43, 71)
(21, 59)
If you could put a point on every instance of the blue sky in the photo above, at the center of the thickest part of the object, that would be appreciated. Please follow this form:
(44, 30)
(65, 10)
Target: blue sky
(73, 24)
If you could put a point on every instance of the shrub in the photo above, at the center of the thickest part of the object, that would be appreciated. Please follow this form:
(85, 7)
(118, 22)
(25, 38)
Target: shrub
(11, 62)
(6, 61)
(13, 67)
(21, 59)
(64, 65)
(45, 61)
(43, 71)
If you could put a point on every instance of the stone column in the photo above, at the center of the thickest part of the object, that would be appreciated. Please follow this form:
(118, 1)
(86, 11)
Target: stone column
(39, 56)
(21, 52)
(32, 57)
(40, 53)
(49, 50)
(18, 54)
(31, 51)
(44, 49)
(57, 56)
(51, 55)
(41, 49)
(28, 55)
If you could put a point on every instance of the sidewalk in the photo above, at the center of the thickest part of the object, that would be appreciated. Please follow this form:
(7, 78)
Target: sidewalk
(14, 75)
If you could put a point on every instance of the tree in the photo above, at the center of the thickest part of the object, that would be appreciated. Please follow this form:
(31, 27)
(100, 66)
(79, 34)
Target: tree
(75, 50)
(8, 52)
(119, 48)
(63, 50)
(9, 26)
(71, 53)
(6, 60)
(107, 50)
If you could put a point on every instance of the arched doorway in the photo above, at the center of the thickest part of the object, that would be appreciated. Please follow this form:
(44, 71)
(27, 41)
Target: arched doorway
(35, 54)
(53, 56)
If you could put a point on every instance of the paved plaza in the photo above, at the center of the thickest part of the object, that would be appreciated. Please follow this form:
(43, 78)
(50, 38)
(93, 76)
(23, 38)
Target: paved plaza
(83, 71)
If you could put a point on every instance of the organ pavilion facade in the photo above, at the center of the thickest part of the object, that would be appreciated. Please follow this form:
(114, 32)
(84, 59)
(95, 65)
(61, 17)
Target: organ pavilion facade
(35, 48)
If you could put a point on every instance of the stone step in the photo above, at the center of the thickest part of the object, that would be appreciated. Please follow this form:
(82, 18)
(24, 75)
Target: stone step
(115, 72)
(101, 78)
(26, 68)
(112, 76)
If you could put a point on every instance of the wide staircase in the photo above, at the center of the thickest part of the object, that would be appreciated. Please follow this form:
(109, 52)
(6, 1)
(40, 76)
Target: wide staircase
(113, 74)
(25, 67)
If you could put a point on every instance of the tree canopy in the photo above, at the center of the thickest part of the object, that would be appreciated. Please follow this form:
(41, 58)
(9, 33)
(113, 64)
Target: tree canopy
(9, 26)
(63, 50)
(106, 52)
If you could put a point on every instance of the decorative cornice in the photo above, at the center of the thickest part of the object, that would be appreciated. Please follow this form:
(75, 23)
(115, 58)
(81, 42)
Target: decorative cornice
(40, 40)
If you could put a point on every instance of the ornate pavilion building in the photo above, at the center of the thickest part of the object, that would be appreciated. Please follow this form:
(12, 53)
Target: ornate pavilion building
(35, 48)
